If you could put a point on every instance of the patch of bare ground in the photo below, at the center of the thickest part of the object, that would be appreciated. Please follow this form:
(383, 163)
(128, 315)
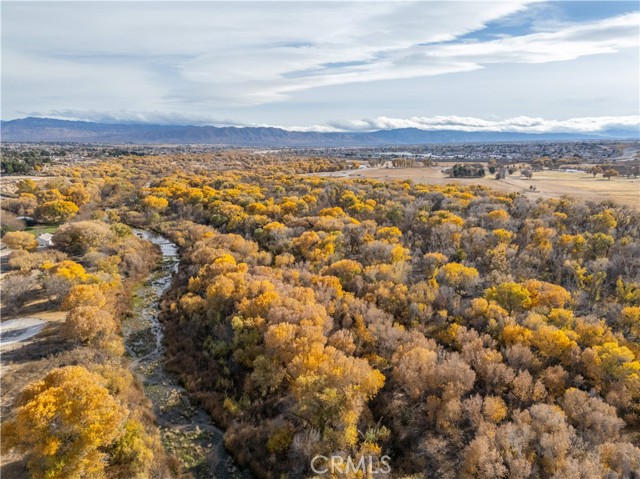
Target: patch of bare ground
(8, 182)
(548, 184)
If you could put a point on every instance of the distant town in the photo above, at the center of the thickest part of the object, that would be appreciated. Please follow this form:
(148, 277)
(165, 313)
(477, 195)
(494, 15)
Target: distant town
(24, 158)
(580, 151)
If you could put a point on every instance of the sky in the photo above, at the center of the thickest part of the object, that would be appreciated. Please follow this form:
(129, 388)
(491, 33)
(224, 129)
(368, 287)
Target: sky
(528, 66)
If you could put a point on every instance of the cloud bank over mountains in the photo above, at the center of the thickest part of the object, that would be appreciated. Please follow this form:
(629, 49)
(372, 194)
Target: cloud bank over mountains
(520, 124)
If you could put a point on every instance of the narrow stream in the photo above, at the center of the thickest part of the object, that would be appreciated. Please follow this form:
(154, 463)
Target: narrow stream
(187, 431)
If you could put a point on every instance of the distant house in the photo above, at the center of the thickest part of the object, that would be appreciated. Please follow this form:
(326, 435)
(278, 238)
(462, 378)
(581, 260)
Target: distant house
(44, 240)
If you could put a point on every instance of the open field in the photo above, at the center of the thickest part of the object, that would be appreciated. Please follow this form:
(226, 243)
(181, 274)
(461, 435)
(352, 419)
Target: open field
(549, 184)
(8, 182)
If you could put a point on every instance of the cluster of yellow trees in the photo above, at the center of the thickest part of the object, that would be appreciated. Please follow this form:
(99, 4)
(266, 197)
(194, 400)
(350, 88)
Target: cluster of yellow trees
(461, 331)
(86, 417)
(483, 320)
(56, 201)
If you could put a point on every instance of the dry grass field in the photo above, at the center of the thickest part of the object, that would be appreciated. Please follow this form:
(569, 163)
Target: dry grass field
(8, 182)
(549, 184)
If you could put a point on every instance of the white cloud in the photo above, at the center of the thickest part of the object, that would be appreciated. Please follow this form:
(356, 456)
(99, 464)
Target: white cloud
(209, 59)
(571, 42)
(138, 117)
(227, 53)
(255, 76)
(520, 124)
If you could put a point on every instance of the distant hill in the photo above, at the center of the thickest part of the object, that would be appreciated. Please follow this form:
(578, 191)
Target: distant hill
(49, 130)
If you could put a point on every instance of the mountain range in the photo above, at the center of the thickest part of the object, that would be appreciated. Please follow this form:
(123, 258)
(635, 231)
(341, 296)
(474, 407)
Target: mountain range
(31, 129)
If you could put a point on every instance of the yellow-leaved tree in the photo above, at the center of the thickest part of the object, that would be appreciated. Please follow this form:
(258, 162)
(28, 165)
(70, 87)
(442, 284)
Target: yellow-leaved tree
(84, 295)
(56, 211)
(458, 276)
(156, 203)
(20, 240)
(89, 324)
(63, 422)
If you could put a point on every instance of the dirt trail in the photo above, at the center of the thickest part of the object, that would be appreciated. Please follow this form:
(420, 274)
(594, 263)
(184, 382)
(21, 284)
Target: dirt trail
(17, 330)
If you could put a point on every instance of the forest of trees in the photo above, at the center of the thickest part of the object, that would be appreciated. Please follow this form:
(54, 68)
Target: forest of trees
(470, 170)
(460, 331)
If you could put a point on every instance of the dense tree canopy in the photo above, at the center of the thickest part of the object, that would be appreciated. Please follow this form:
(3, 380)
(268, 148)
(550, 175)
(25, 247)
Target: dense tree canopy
(64, 422)
(461, 331)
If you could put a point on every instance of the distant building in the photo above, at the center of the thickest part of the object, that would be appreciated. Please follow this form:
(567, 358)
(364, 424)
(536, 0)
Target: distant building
(44, 240)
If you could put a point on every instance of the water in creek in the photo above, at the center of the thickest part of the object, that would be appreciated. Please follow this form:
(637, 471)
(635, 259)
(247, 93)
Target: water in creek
(187, 431)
